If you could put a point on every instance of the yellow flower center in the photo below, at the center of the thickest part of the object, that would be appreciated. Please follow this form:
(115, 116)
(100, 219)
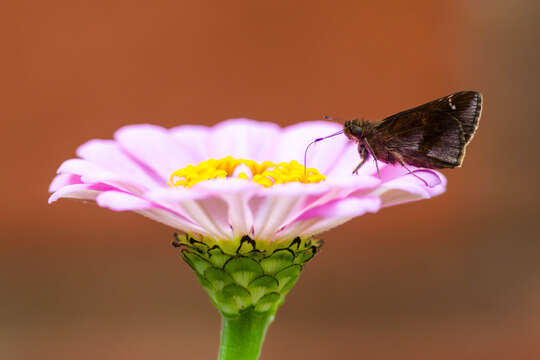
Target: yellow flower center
(266, 174)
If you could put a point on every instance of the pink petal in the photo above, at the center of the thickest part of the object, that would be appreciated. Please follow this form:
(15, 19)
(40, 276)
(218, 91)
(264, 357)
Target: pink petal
(154, 148)
(429, 178)
(195, 138)
(173, 195)
(79, 191)
(274, 206)
(79, 167)
(322, 155)
(408, 188)
(337, 188)
(62, 180)
(186, 204)
(236, 193)
(121, 201)
(344, 208)
(90, 172)
(432, 177)
(109, 156)
(170, 219)
(244, 139)
(270, 214)
(206, 210)
(327, 216)
(347, 161)
(210, 214)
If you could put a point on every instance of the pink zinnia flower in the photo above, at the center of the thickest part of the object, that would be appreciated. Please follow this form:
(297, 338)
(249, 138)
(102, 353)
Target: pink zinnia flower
(146, 169)
(247, 206)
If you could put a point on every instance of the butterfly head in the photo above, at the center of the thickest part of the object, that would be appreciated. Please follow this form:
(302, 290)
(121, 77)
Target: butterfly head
(354, 129)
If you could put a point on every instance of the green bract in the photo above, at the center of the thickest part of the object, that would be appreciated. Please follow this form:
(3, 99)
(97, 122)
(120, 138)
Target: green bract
(247, 279)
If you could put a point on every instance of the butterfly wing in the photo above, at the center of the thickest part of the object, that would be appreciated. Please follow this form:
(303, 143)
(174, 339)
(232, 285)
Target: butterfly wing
(433, 135)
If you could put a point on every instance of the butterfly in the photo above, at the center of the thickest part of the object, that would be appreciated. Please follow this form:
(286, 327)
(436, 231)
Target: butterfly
(433, 135)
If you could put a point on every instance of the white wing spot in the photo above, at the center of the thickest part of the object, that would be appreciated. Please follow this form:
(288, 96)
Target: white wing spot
(451, 104)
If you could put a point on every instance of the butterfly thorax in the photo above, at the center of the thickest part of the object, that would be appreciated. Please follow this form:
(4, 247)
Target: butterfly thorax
(369, 139)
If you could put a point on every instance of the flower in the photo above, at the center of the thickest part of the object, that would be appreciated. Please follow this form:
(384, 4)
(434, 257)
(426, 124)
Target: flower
(247, 206)
(168, 176)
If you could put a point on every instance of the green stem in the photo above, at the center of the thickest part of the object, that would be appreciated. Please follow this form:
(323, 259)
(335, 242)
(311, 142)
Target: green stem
(242, 337)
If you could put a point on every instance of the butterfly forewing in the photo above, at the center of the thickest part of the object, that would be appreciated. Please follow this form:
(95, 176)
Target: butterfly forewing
(466, 106)
(435, 134)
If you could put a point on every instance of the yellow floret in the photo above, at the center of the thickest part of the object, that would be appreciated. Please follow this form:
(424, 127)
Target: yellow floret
(266, 173)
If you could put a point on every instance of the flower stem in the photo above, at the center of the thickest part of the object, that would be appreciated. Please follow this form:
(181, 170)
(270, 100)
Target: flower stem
(242, 337)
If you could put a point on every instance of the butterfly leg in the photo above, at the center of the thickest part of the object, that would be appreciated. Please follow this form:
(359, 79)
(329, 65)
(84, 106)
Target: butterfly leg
(370, 150)
(363, 155)
(400, 160)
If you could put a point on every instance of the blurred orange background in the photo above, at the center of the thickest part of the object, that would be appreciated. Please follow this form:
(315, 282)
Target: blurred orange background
(455, 277)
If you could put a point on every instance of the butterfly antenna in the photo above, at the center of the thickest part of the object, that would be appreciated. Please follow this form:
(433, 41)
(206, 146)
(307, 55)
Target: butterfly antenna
(315, 141)
(331, 118)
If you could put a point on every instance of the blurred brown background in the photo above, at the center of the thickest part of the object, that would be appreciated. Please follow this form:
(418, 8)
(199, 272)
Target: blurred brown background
(456, 277)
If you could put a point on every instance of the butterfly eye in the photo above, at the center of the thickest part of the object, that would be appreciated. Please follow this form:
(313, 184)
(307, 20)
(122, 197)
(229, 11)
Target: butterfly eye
(353, 128)
(356, 129)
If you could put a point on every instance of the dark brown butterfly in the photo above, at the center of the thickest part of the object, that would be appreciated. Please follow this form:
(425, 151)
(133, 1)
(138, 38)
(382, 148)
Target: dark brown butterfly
(433, 135)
